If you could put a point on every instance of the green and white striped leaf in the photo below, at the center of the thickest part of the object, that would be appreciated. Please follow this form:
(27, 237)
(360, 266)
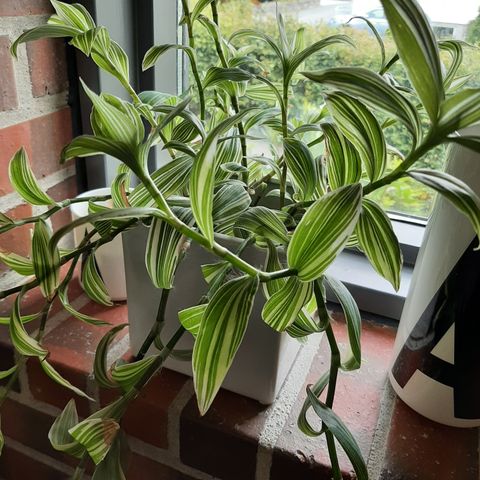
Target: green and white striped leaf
(169, 179)
(198, 9)
(455, 50)
(58, 434)
(7, 373)
(100, 370)
(23, 319)
(379, 242)
(265, 223)
(45, 259)
(128, 374)
(211, 271)
(74, 15)
(361, 128)
(92, 282)
(63, 297)
(43, 31)
(296, 60)
(17, 263)
(372, 89)
(191, 318)
(110, 468)
(24, 182)
(341, 433)
(56, 377)
(456, 191)
(155, 52)
(344, 165)
(353, 320)
(216, 76)
(323, 231)
(96, 435)
(120, 187)
(22, 341)
(468, 141)
(418, 51)
(284, 306)
(4, 220)
(164, 249)
(229, 201)
(203, 176)
(220, 334)
(89, 145)
(459, 111)
(302, 168)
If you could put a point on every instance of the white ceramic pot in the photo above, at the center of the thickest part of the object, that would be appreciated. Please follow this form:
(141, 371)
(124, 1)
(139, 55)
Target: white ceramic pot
(109, 257)
(436, 370)
(264, 358)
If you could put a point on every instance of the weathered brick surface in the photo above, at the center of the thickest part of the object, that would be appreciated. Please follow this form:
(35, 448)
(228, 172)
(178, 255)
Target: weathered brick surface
(8, 89)
(17, 240)
(48, 69)
(229, 432)
(143, 468)
(418, 448)
(24, 7)
(357, 402)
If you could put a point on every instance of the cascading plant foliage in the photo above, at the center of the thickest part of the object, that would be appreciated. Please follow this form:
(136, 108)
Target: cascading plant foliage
(302, 207)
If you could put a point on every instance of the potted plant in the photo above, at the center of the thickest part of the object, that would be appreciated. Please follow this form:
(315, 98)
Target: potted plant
(317, 204)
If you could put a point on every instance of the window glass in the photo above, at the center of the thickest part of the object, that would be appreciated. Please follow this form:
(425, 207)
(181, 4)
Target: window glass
(449, 19)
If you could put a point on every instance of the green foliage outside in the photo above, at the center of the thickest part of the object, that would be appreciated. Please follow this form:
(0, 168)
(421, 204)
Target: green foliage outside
(405, 196)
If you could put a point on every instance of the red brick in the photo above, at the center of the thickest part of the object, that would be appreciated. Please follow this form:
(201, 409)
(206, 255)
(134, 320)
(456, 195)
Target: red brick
(147, 417)
(8, 89)
(418, 448)
(43, 138)
(60, 192)
(48, 68)
(224, 442)
(18, 239)
(357, 402)
(71, 348)
(143, 468)
(15, 465)
(17, 422)
(24, 7)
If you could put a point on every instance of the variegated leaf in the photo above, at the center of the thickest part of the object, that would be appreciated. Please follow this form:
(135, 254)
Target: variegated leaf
(371, 88)
(96, 435)
(379, 242)
(323, 231)
(24, 182)
(284, 306)
(155, 52)
(341, 433)
(22, 341)
(217, 75)
(191, 318)
(56, 377)
(17, 263)
(93, 284)
(203, 176)
(128, 374)
(164, 248)
(354, 323)
(418, 51)
(459, 111)
(456, 191)
(45, 259)
(110, 467)
(74, 15)
(302, 167)
(264, 223)
(58, 434)
(229, 202)
(344, 165)
(100, 369)
(221, 332)
(361, 127)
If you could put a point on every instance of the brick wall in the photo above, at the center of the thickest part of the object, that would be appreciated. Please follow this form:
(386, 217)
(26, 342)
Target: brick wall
(33, 114)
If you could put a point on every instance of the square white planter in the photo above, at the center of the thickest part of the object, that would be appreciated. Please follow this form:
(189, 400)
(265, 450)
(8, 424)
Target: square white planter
(265, 356)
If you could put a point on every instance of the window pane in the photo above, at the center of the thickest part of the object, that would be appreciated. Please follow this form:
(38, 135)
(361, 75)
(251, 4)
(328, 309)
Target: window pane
(319, 18)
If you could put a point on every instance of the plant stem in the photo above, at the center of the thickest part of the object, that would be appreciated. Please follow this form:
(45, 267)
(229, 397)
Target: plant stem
(156, 327)
(191, 42)
(233, 98)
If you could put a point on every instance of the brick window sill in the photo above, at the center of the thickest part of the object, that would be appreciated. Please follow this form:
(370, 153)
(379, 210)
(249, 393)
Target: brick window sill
(238, 439)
